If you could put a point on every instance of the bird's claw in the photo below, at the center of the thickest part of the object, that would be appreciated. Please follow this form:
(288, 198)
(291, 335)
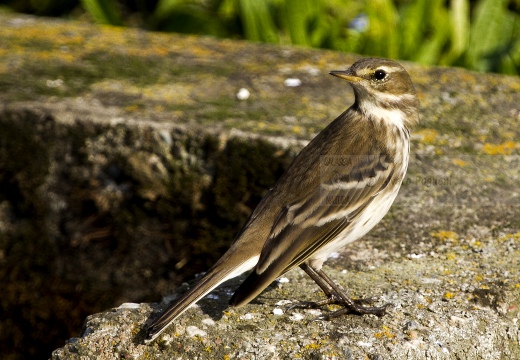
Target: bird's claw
(354, 307)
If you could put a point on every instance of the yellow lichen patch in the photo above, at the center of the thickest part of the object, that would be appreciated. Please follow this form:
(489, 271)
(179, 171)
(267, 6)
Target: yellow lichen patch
(510, 135)
(149, 51)
(4, 69)
(477, 244)
(449, 295)
(423, 98)
(451, 256)
(507, 237)
(445, 235)
(297, 129)
(385, 333)
(428, 136)
(459, 162)
(312, 346)
(131, 108)
(506, 148)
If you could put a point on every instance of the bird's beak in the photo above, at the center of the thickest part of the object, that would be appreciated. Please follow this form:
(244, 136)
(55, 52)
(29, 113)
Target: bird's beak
(346, 75)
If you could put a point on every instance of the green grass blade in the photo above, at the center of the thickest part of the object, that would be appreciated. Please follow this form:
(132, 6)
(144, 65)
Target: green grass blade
(299, 16)
(382, 36)
(257, 21)
(104, 12)
(165, 7)
(412, 27)
(491, 30)
(459, 31)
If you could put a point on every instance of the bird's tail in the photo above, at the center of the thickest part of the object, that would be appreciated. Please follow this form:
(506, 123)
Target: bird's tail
(179, 306)
(214, 277)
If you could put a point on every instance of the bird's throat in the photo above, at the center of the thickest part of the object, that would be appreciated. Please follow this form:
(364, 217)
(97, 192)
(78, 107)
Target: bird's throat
(390, 116)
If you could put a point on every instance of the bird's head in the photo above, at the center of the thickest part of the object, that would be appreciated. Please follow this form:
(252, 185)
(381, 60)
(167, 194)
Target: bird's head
(380, 86)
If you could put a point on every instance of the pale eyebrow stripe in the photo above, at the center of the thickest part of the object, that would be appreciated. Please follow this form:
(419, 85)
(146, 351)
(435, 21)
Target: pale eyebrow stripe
(365, 72)
(388, 69)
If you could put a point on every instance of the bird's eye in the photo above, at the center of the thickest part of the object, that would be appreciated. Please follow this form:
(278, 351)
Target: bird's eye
(380, 74)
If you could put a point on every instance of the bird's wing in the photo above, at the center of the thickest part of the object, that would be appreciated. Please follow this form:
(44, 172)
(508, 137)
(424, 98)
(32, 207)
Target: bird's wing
(310, 222)
(302, 228)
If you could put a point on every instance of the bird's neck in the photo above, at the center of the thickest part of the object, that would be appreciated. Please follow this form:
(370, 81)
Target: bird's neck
(400, 111)
(393, 116)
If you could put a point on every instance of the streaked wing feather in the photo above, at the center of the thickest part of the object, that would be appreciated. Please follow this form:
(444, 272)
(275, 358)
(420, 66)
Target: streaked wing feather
(298, 234)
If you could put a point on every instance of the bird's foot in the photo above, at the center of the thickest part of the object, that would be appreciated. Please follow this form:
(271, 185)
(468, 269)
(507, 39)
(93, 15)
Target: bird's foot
(357, 309)
(336, 295)
(350, 306)
(314, 304)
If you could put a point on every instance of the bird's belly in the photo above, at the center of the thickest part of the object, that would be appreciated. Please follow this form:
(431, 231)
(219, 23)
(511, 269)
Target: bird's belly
(368, 218)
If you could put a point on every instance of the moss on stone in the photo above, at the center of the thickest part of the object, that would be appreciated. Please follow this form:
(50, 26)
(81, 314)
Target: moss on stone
(127, 165)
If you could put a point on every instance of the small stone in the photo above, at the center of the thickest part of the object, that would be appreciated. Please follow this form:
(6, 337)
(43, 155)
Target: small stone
(243, 94)
(278, 311)
(283, 302)
(292, 82)
(364, 343)
(166, 136)
(166, 340)
(247, 316)
(195, 331)
(128, 306)
(411, 325)
(209, 322)
(296, 317)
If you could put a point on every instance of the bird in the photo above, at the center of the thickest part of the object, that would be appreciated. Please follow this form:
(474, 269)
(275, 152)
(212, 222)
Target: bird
(336, 190)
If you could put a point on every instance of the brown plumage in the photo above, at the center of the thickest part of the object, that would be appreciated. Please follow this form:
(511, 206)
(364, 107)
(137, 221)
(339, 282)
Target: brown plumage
(339, 186)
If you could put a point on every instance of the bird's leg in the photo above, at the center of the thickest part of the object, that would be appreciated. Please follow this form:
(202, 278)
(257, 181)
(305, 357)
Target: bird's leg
(332, 298)
(349, 304)
(335, 295)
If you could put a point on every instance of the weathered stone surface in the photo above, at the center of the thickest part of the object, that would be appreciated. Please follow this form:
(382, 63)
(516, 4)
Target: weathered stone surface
(127, 164)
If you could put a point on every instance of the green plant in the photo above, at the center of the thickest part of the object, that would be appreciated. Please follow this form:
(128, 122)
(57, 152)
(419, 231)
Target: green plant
(482, 35)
